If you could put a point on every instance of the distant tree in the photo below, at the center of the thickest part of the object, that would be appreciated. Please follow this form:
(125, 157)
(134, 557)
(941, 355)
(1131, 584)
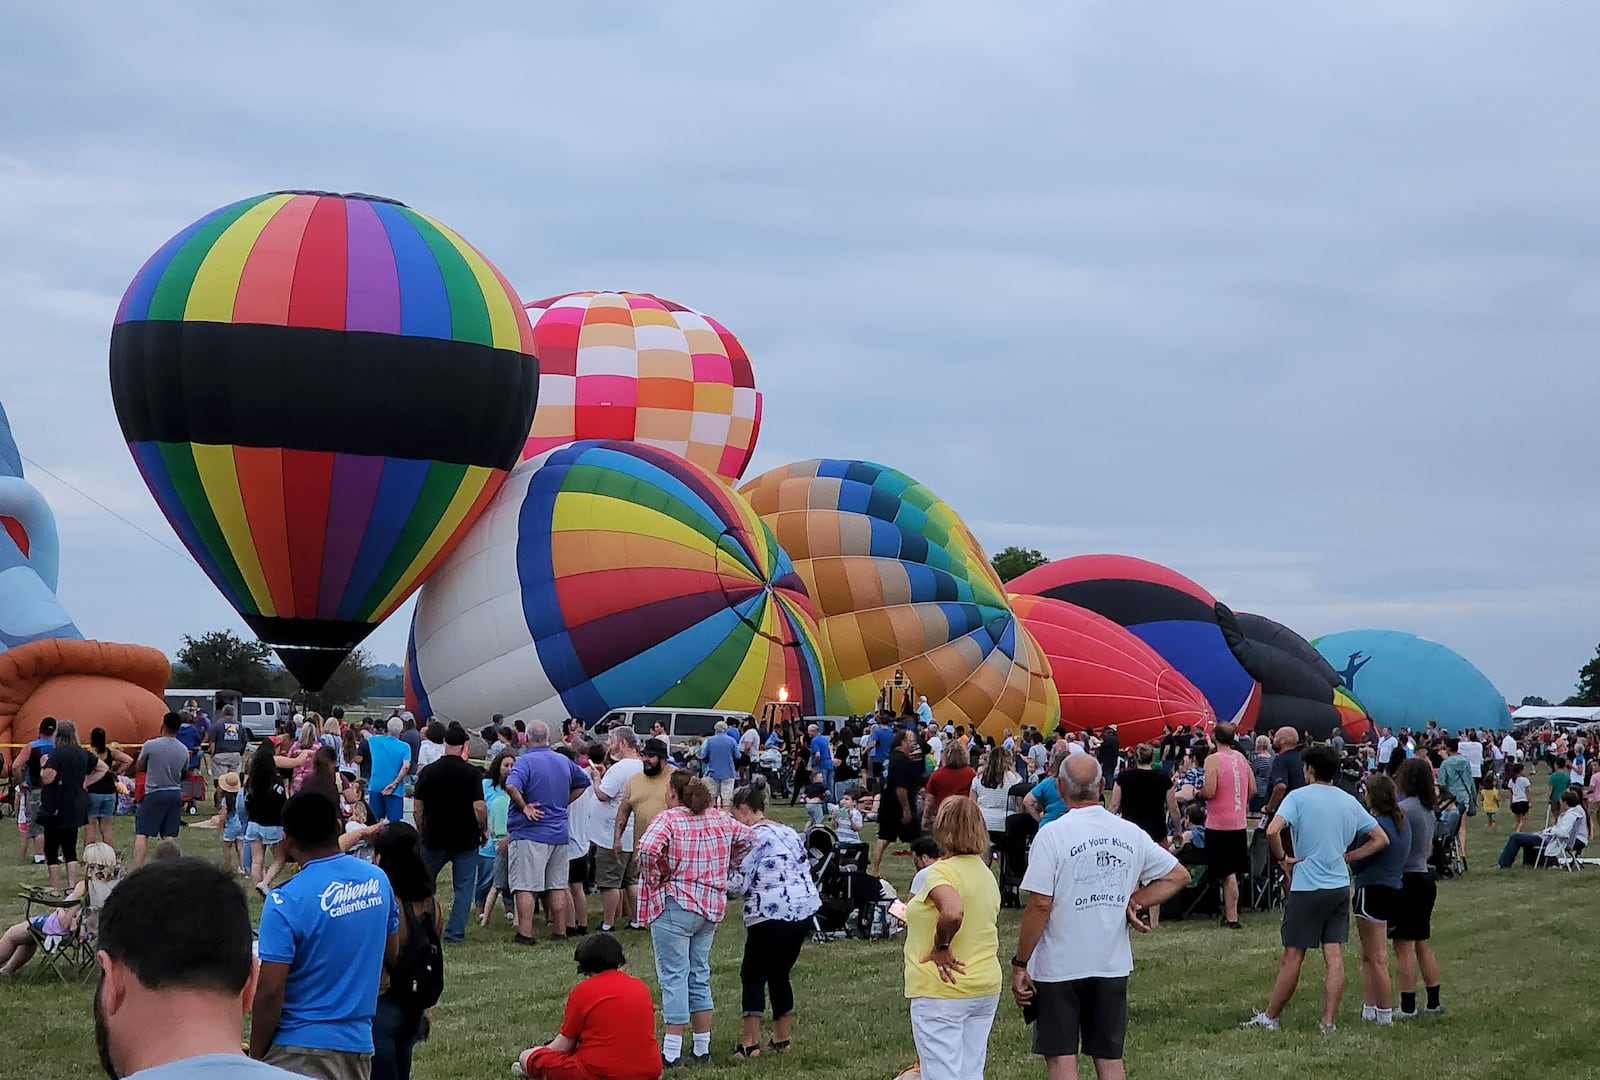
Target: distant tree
(1013, 562)
(1535, 700)
(387, 686)
(1587, 692)
(222, 660)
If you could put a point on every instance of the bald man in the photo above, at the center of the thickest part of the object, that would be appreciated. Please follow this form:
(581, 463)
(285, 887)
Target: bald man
(1287, 771)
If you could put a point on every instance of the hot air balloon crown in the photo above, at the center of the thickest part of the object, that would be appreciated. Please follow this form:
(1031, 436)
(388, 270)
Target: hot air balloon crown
(323, 392)
(635, 366)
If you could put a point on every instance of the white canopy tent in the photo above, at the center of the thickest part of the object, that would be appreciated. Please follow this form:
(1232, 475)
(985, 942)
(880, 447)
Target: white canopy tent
(1583, 714)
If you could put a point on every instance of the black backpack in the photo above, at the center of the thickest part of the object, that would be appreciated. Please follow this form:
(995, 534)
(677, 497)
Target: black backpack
(416, 979)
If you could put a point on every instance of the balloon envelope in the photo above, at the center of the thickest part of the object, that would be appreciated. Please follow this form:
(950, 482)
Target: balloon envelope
(1166, 610)
(606, 575)
(620, 365)
(1405, 681)
(901, 585)
(1299, 688)
(1106, 675)
(322, 392)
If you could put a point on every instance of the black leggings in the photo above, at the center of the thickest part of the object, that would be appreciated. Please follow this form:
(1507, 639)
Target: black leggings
(60, 844)
(770, 950)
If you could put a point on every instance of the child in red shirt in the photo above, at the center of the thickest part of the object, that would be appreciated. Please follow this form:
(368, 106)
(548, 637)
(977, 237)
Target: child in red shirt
(609, 1030)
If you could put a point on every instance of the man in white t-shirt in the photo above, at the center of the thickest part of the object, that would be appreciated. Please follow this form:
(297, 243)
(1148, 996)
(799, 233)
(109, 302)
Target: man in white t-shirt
(1472, 750)
(616, 869)
(1090, 874)
(749, 749)
(936, 746)
(1387, 745)
(1508, 747)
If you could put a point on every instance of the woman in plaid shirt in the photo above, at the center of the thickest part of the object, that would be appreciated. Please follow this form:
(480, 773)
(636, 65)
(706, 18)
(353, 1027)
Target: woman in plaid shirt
(684, 860)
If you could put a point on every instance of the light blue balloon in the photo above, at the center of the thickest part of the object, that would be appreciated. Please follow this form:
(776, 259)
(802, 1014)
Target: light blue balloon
(1405, 681)
(29, 609)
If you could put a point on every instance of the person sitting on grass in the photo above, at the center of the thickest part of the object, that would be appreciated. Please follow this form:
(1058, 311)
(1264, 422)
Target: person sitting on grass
(18, 944)
(608, 1029)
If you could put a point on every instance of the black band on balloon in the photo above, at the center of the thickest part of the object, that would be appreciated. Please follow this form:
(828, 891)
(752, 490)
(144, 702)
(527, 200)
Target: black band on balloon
(301, 388)
(1130, 603)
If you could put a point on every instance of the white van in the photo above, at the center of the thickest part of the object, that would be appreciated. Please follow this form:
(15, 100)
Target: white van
(261, 715)
(683, 726)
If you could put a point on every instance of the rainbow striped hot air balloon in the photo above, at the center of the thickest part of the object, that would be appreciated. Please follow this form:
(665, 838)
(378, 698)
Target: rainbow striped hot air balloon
(610, 574)
(322, 392)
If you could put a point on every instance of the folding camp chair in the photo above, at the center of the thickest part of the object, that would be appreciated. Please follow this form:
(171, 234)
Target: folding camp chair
(1560, 851)
(1202, 897)
(1266, 877)
(68, 954)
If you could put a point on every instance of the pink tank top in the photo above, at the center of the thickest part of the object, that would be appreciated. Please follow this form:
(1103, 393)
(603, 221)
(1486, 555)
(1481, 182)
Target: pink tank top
(1225, 812)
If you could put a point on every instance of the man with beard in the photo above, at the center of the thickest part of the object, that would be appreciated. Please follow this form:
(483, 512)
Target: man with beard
(645, 794)
(176, 979)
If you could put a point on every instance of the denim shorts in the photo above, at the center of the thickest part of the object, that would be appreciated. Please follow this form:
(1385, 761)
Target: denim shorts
(102, 806)
(269, 835)
(234, 828)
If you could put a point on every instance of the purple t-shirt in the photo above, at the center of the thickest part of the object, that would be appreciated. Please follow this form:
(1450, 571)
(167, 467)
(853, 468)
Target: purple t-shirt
(547, 778)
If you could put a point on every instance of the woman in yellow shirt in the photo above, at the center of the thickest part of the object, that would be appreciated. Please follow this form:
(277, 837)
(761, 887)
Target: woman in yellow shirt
(952, 961)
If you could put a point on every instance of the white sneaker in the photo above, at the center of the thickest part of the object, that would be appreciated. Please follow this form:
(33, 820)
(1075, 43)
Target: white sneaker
(1385, 1018)
(516, 1069)
(1401, 1014)
(1261, 1020)
(38, 860)
(1327, 1029)
(1369, 1012)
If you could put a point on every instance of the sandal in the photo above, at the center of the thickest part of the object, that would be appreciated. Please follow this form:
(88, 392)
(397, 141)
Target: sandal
(779, 1047)
(741, 1050)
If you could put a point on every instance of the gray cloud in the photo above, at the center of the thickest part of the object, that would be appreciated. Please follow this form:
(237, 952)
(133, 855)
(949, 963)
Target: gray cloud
(1301, 302)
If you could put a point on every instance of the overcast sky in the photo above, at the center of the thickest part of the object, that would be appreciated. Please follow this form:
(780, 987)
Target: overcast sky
(1305, 304)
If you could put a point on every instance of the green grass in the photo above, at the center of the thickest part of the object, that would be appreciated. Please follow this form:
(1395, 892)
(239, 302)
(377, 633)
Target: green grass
(1511, 945)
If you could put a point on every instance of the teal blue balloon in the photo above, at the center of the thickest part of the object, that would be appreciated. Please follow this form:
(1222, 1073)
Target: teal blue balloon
(1405, 681)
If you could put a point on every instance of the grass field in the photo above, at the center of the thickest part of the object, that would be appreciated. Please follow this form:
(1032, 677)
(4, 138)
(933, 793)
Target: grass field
(1514, 947)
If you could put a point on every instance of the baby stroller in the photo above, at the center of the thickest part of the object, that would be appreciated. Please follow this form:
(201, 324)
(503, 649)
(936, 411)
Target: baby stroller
(1020, 831)
(852, 899)
(1446, 858)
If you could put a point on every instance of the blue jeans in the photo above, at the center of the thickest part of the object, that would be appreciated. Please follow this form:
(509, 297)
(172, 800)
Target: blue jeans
(1526, 842)
(394, 1034)
(682, 942)
(480, 890)
(463, 877)
(386, 807)
(814, 812)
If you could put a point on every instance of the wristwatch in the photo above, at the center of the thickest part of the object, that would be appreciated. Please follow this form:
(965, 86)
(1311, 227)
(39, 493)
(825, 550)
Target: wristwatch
(1018, 962)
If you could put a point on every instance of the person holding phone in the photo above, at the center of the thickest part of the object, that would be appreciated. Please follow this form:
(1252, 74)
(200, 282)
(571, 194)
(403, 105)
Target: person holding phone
(1091, 876)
